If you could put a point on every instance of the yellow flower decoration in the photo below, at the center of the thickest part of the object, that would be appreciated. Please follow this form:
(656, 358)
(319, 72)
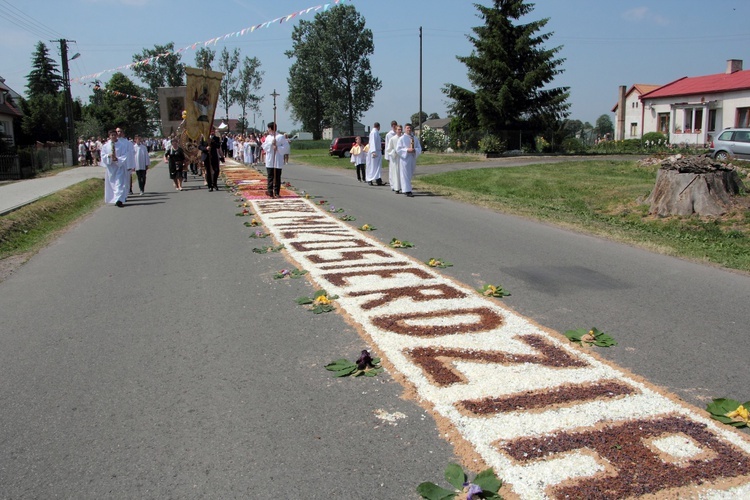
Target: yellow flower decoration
(741, 414)
(184, 114)
(491, 289)
(322, 300)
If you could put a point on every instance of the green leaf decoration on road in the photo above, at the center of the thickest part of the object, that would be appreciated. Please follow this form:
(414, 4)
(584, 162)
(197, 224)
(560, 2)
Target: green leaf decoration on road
(730, 412)
(321, 302)
(493, 291)
(590, 337)
(289, 273)
(485, 485)
(439, 263)
(367, 227)
(396, 243)
(268, 249)
(365, 366)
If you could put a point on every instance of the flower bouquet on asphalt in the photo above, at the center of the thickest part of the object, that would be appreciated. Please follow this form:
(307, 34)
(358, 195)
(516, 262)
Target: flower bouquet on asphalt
(493, 291)
(289, 273)
(367, 227)
(485, 485)
(588, 338)
(320, 302)
(730, 412)
(439, 263)
(366, 365)
(396, 243)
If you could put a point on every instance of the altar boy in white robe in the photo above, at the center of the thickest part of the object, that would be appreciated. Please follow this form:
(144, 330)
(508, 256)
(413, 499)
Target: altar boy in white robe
(408, 150)
(374, 157)
(394, 162)
(116, 161)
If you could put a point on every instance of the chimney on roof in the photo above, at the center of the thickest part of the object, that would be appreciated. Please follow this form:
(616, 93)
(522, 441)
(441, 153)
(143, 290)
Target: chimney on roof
(734, 65)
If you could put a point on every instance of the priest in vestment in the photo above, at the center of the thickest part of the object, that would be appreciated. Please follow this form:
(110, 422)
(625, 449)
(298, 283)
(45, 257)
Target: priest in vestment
(374, 157)
(408, 150)
(116, 161)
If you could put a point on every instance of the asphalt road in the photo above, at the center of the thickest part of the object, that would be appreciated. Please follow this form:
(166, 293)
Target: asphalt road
(681, 325)
(149, 352)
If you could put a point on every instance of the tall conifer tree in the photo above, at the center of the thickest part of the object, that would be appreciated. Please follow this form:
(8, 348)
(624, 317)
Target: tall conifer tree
(509, 70)
(44, 78)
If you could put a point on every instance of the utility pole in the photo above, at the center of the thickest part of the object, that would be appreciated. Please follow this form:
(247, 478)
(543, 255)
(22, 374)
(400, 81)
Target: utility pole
(69, 125)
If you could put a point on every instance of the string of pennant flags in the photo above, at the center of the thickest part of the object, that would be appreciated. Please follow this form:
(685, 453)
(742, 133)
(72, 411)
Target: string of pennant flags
(97, 87)
(213, 41)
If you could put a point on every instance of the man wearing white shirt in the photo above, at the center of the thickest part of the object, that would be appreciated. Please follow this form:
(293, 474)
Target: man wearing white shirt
(275, 146)
(142, 162)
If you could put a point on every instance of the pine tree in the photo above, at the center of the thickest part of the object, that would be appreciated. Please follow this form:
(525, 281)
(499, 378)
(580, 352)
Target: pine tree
(44, 78)
(509, 70)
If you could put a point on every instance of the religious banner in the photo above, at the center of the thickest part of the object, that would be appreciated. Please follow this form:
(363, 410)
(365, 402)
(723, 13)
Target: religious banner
(200, 103)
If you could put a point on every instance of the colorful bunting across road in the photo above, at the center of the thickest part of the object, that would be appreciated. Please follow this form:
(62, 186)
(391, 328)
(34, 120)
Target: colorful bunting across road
(213, 41)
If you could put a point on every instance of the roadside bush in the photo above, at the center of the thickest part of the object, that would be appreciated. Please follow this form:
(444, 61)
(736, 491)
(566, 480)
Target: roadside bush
(492, 144)
(573, 145)
(542, 146)
(654, 138)
(434, 139)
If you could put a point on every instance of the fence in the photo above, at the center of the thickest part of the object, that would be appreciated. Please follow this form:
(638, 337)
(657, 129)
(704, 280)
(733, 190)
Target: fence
(29, 162)
(10, 168)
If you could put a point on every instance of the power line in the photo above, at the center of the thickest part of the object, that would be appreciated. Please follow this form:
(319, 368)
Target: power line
(24, 21)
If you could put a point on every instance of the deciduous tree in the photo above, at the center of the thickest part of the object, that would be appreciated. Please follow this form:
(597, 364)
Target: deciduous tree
(228, 64)
(245, 94)
(332, 54)
(163, 69)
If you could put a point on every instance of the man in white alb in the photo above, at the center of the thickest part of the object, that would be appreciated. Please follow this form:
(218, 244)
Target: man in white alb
(374, 157)
(408, 150)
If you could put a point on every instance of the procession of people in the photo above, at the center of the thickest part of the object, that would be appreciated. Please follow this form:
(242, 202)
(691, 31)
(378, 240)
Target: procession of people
(122, 158)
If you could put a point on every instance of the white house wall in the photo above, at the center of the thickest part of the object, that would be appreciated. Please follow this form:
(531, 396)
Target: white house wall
(725, 104)
(633, 115)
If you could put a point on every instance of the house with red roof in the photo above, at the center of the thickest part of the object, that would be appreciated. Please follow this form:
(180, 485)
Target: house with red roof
(628, 115)
(9, 110)
(692, 110)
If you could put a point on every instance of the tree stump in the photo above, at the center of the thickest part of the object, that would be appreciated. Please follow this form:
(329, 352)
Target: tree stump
(694, 185)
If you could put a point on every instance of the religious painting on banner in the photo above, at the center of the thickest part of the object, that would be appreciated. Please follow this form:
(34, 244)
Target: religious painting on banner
(202, 96)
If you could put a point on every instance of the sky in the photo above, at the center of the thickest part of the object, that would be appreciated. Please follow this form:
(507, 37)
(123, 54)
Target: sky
(604, 44)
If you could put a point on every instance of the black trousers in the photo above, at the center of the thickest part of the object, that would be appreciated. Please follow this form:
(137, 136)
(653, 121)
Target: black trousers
(212, 176)
(141, 174)
(274, 180)
(361, 172)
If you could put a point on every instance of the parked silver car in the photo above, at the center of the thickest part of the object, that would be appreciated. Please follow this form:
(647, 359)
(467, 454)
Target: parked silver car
(731, 143)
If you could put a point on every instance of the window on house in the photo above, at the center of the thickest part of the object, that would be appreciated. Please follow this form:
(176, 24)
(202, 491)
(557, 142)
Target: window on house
(743, 117)
(633, 129)
(663, 123)
(687, 120)
(711, 120)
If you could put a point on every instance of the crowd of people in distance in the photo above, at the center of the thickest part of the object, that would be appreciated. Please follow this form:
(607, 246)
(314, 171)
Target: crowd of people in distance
(402, 148)
(122, 157)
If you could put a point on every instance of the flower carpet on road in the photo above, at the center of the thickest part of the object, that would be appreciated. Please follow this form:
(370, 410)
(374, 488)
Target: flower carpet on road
(250, 183)
(551, 418)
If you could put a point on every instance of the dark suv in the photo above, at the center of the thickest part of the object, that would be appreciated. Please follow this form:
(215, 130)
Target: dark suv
(342, 146)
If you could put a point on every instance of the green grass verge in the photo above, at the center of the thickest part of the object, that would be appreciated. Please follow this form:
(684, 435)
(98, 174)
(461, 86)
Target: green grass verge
(319, 157)
(28, 229)
(604, 198)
